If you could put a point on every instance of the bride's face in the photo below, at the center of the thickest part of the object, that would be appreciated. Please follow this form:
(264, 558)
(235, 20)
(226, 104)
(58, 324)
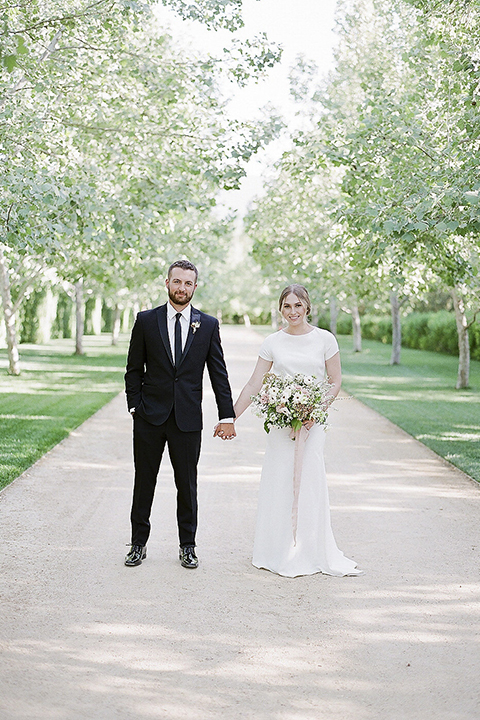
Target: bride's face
(294, 311)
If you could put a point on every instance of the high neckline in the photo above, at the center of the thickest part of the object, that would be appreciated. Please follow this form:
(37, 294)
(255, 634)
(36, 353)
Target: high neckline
(297, 334)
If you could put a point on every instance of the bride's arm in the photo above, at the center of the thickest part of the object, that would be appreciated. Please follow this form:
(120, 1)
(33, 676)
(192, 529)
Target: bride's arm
(252, 387)
(334, 375)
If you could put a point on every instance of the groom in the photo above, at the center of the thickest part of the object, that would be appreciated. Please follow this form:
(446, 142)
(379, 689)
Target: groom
(169, 348)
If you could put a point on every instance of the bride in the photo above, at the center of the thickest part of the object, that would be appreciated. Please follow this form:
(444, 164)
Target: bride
(299, 348)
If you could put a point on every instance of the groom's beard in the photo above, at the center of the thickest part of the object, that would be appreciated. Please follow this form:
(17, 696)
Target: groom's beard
(180, 297)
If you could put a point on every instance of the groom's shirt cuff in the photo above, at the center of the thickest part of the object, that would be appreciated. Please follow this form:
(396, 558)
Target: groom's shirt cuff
(227, 420)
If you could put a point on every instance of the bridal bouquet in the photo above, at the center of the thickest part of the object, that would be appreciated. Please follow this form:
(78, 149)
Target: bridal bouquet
(290, 401)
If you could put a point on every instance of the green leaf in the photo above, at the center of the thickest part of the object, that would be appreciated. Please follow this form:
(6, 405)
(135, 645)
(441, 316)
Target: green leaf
(22, 49)
(420, 226)
(10, 62)
(389, 226)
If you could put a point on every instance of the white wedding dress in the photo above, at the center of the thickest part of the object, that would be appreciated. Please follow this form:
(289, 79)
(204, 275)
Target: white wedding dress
(315, 549)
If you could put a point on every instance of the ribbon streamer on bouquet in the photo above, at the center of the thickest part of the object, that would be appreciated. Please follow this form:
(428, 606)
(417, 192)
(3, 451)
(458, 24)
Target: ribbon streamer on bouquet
(300, 437)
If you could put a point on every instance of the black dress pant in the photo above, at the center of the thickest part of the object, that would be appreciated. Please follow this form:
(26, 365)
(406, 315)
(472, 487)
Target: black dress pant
(184, 450)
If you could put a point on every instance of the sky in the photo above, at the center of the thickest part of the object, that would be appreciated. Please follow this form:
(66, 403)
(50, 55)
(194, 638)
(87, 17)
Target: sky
(301, 27)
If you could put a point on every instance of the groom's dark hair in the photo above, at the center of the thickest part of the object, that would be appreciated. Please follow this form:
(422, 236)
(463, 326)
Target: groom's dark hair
(184, 265)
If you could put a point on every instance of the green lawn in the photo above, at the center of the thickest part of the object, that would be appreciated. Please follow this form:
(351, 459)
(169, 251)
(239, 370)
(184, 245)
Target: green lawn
(419, 396)
(55, 393)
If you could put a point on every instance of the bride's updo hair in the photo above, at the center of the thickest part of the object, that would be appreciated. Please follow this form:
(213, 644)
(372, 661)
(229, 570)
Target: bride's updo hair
(301, 293)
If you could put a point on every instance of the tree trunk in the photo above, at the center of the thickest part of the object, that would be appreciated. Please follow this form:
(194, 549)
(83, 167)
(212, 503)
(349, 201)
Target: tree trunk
(396, 329)
(135, 309)
(79, 317)
(125, 325)
(246, 320)
(333, 314)
(9, 317)
(274, 317)
(97, 316)
(47, 312)
(3, 334)
(117, 319)
(463, 343)
(357, 330)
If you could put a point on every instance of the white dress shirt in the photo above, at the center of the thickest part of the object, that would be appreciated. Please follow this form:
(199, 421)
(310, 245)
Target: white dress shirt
(186, 314)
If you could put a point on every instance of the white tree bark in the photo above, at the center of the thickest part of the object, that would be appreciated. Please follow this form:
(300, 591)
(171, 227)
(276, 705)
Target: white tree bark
(117, 320)
(9, 317)
(126, 320)
(357, 329)
(47, 311)
(3, 334)
(79, 317)
(463, 376)
(333, 314)
(274, 316)
(396, 329)
(97, 316)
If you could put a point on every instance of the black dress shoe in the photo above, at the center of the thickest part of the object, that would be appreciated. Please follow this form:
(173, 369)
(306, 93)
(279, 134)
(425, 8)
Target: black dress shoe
(187, 557)
(136, 554)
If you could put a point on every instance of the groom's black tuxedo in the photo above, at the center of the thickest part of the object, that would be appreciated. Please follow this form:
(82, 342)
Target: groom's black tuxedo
(168, 409)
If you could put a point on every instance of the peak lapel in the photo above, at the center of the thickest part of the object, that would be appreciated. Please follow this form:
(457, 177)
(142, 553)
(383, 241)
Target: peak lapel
(194, 318)
(162, 326)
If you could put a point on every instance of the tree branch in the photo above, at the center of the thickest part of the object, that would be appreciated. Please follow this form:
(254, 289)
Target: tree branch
(474, 318)
(8, 217)
(24, 287)
(21, 82)
(59, 19)
(99, 129)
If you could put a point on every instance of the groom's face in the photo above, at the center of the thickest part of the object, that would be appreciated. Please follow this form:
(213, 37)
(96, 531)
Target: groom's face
(181, 286)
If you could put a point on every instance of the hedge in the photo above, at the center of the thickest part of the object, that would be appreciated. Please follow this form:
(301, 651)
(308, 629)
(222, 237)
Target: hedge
(436, 331)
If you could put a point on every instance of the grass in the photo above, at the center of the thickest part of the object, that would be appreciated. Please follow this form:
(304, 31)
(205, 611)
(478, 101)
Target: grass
(419, 396)
(55, 393)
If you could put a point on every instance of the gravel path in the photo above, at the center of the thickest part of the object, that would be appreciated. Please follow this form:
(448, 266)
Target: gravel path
(82, 636)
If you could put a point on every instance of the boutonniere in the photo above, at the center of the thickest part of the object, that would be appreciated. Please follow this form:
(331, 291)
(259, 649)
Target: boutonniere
(195, 325)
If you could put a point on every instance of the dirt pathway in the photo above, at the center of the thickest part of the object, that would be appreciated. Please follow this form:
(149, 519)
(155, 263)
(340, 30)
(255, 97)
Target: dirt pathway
(81, 636)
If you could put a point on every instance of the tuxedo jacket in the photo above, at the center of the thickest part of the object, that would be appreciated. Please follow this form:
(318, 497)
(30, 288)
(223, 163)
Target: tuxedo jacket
(155, 387)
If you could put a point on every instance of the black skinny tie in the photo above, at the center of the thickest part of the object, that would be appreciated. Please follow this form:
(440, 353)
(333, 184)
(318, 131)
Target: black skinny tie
(178, 340)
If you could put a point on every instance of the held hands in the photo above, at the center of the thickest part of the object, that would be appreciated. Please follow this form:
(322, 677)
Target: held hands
(225, 431)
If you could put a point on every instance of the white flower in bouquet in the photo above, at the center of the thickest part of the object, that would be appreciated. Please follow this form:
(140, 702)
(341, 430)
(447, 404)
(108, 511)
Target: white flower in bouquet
(289, 402)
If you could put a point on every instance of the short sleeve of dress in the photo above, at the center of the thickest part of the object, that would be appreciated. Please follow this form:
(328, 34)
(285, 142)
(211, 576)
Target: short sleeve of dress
(266, 350)
(331, 345)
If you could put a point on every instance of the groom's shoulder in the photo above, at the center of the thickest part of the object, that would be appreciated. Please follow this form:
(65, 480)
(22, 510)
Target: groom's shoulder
(208, 319)
(150, 314)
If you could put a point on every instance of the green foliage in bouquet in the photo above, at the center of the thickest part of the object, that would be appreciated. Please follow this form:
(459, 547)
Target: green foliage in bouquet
(290, 401)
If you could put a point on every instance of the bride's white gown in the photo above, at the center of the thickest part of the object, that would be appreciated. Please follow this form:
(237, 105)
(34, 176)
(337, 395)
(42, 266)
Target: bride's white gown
(315, 549)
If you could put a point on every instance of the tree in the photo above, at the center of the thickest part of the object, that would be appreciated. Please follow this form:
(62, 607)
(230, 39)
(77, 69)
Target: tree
(410, 182)
(111, 136)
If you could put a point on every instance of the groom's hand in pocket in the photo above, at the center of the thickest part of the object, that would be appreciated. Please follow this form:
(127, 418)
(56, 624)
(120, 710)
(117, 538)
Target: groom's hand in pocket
(225, 431)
